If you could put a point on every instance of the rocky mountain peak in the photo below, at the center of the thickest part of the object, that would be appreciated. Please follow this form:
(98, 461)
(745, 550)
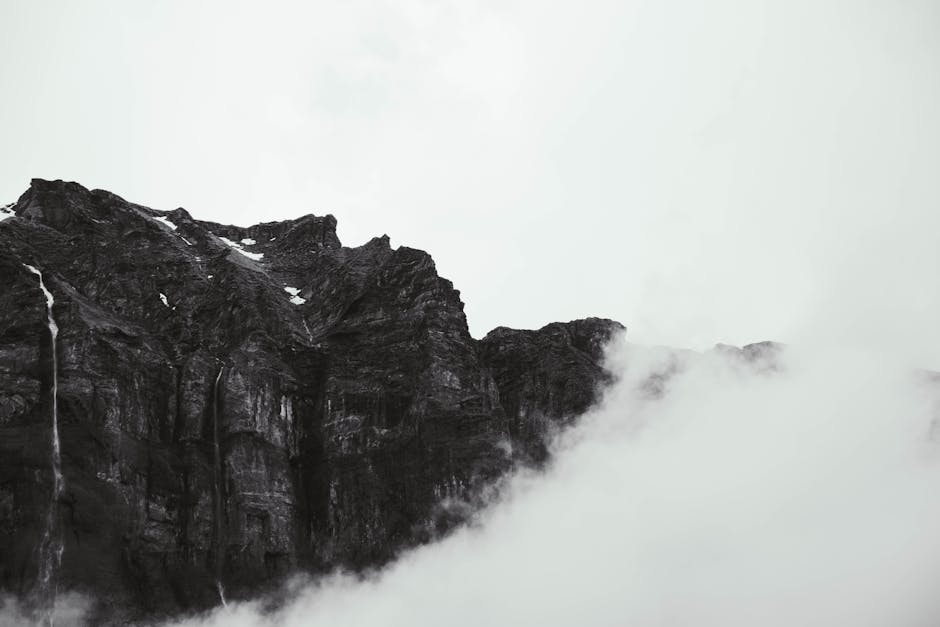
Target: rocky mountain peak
(58, 204)
(240, 403)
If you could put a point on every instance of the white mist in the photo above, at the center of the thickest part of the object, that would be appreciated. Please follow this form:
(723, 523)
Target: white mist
(803, 497)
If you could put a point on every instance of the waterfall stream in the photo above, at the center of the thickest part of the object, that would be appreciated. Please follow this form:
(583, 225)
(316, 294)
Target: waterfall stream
(50, 547)
(217, 466)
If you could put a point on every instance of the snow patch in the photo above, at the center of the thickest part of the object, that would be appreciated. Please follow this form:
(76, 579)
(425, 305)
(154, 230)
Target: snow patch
(210, 276)
(294, 298)
(272, 239)
(165, 221)
(248, 241)
(238, 247)
(188, 243)
(7, 212)
(163, 298)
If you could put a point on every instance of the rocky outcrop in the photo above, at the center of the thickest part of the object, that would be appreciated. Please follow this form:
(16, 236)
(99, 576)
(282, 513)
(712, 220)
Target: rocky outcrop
(760, 356)
(546, 377)
(236, 404)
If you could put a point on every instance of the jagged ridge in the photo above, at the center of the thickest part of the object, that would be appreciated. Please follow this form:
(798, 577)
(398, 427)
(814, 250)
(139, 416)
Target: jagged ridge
(343, 421)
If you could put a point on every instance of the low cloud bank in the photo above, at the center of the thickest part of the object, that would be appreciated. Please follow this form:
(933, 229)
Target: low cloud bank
(804, 496)
(729, 494)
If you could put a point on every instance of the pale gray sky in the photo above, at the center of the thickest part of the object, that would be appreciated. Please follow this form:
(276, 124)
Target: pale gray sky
(703, 172)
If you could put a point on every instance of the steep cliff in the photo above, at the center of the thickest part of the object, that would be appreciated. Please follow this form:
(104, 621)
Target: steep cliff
(236, 404)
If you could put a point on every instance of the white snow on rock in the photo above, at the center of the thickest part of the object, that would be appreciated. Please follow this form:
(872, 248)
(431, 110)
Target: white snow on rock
(238, 247)
(210, 276)
(6, 212)
(248, 241)
(163, 298)
(294, 298)
(188, 243)
(165, 221)
(272, 239)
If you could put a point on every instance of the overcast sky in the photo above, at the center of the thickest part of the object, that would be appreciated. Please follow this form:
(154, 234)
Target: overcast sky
(703, 172)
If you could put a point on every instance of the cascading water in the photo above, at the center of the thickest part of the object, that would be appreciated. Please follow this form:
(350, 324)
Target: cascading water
(217, 466)
(51, 547)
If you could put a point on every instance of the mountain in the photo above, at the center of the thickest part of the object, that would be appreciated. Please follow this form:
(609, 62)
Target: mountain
(227, 406)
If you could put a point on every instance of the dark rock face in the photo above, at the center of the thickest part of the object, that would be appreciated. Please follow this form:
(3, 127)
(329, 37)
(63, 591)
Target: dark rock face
(546, 377)
(217, 428)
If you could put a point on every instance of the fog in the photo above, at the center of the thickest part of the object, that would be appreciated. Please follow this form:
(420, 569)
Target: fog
(795, 490)
(806, 495)
(70, 610)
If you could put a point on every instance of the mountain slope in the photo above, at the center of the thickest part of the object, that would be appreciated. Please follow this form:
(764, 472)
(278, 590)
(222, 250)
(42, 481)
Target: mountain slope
(238, 403)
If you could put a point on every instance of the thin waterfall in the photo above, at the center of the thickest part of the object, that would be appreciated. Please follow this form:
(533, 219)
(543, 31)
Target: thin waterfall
(221, 589)
(217, 466)
(307, 327)
(51, 547)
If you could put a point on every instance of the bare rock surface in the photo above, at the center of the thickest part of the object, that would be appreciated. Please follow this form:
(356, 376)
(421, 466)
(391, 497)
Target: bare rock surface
(237, 404)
